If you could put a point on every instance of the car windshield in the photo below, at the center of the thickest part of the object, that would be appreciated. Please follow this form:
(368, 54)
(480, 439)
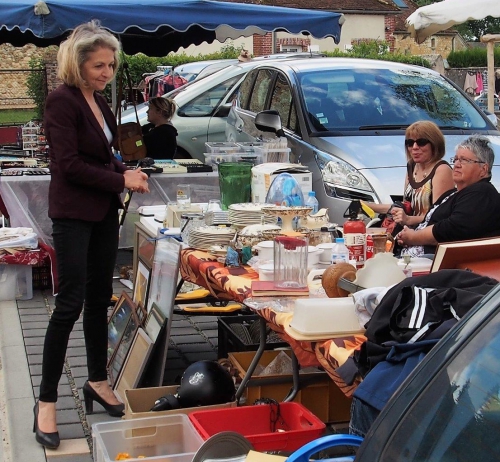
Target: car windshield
(383, 99)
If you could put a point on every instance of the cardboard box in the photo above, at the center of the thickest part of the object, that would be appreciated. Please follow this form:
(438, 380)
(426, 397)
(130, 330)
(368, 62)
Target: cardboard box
(264, 174)
(139, 401)
(321, 396)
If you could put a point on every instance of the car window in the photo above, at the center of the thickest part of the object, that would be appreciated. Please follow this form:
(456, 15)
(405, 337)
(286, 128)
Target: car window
(246, 89)
(282, 101)
(204, 105)
(457, 418)
(357, 99)
(260, 90)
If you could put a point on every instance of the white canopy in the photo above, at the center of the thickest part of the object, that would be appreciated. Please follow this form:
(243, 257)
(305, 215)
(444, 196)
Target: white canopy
(428, 20)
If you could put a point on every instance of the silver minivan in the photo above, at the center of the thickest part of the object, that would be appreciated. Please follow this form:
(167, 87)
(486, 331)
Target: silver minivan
(345, 119)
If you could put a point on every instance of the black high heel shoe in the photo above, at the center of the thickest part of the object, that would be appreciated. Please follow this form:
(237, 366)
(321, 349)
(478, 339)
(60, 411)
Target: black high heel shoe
(48, 440)
(90, 395)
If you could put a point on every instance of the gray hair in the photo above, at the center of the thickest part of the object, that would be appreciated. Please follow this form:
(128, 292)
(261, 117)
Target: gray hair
(481, 147)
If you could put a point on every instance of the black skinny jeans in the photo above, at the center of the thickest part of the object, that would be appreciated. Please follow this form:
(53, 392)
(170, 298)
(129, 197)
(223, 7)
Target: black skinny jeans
(86, 255)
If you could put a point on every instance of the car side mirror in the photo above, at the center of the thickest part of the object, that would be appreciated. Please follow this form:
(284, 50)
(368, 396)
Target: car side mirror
(269, 121)
(223, 110)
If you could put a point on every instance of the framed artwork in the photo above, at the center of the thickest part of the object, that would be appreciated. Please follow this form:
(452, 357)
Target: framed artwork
(124, 310)
(141, 314)
(164, 276)
(154, 322)
(135, 363)
(141, 283)
(144, 247)
(122, 349)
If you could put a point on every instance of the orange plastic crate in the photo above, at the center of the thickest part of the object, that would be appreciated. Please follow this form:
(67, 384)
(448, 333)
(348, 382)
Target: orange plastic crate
(295, 427)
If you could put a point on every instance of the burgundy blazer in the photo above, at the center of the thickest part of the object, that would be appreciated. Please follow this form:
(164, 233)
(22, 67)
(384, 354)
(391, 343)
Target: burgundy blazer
(86, 178)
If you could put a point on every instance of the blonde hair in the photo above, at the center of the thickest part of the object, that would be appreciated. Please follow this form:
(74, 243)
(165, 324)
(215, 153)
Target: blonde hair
(73, 52)
(166, 106)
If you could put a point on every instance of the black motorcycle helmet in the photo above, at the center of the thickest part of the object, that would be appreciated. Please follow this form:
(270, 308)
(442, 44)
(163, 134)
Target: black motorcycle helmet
(205, 383)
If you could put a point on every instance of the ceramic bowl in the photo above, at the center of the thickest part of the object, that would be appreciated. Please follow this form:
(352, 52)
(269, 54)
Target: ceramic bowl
(313, 255)
(266, 272)
(326, 254)
(265, 249)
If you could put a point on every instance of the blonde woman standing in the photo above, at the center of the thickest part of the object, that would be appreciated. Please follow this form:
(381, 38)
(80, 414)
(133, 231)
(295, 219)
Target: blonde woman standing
(84, 198)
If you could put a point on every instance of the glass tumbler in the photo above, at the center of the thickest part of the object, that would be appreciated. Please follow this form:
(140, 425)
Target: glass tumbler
(234, 181)
(290, 261)
(183, 196)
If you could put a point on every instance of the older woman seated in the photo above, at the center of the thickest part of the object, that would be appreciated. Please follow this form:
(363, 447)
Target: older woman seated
(470, 211)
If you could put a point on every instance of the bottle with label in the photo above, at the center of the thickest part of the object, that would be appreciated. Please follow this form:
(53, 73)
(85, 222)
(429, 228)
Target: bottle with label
(340, 253)
(311, 201)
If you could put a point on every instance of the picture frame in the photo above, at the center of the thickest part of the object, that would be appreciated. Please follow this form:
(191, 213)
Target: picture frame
(141, 283)
(154, 322)
(124, 310)
(121, 351)
(134, 364)
(164, 276)
(141, 314)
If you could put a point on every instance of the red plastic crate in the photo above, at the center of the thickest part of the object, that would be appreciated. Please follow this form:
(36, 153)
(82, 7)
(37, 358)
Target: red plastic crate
(254, 422)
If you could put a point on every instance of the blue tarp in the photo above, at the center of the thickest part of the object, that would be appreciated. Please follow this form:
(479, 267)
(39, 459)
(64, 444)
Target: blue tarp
(156, 27)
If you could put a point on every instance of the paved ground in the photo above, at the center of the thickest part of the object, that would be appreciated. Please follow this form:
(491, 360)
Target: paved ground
(22, 331)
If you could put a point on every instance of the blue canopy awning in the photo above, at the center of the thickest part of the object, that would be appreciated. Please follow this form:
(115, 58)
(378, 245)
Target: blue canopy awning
(156, 27)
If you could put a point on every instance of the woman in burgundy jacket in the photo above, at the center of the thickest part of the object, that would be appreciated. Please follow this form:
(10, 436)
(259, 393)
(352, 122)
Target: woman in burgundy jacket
(84, 198)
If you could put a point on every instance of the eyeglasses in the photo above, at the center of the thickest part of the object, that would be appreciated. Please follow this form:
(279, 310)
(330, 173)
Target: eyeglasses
(421, 142)
(463, 160)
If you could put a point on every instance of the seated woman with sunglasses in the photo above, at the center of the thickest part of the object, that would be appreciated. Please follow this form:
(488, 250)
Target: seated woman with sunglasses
(469, 211)
(427, 175)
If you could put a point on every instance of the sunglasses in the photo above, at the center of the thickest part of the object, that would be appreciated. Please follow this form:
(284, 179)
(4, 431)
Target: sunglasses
(421, 142)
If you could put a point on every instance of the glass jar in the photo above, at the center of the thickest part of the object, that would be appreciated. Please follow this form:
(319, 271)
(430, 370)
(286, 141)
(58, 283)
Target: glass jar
(290, 261)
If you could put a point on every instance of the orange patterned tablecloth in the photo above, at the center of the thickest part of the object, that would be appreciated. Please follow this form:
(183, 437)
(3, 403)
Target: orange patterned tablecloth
(202, 268)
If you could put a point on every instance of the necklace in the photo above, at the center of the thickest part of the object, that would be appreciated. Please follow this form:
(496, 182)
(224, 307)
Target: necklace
(424, 173)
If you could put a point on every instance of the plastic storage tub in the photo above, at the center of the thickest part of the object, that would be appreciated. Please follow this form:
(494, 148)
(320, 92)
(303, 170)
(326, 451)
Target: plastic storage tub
(16, 282)
(292, 428)
(221, 146)
(167, 438)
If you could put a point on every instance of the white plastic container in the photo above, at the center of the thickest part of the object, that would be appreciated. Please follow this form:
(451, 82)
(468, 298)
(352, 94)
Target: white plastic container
(24, 285)
(221, 146)
(340, 253)
(167, 438)
(8, 277)
(16, 282)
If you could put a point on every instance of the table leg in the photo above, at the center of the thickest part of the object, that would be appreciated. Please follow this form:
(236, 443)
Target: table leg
(255, 360)
(296, 381)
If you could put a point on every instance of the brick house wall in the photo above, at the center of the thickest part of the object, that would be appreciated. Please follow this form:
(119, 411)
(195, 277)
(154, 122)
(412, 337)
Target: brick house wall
(14, 66)
(263, 44)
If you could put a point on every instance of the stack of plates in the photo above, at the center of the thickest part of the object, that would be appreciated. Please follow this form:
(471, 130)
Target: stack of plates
(250, 213)
(217, 218)
(205, 237)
